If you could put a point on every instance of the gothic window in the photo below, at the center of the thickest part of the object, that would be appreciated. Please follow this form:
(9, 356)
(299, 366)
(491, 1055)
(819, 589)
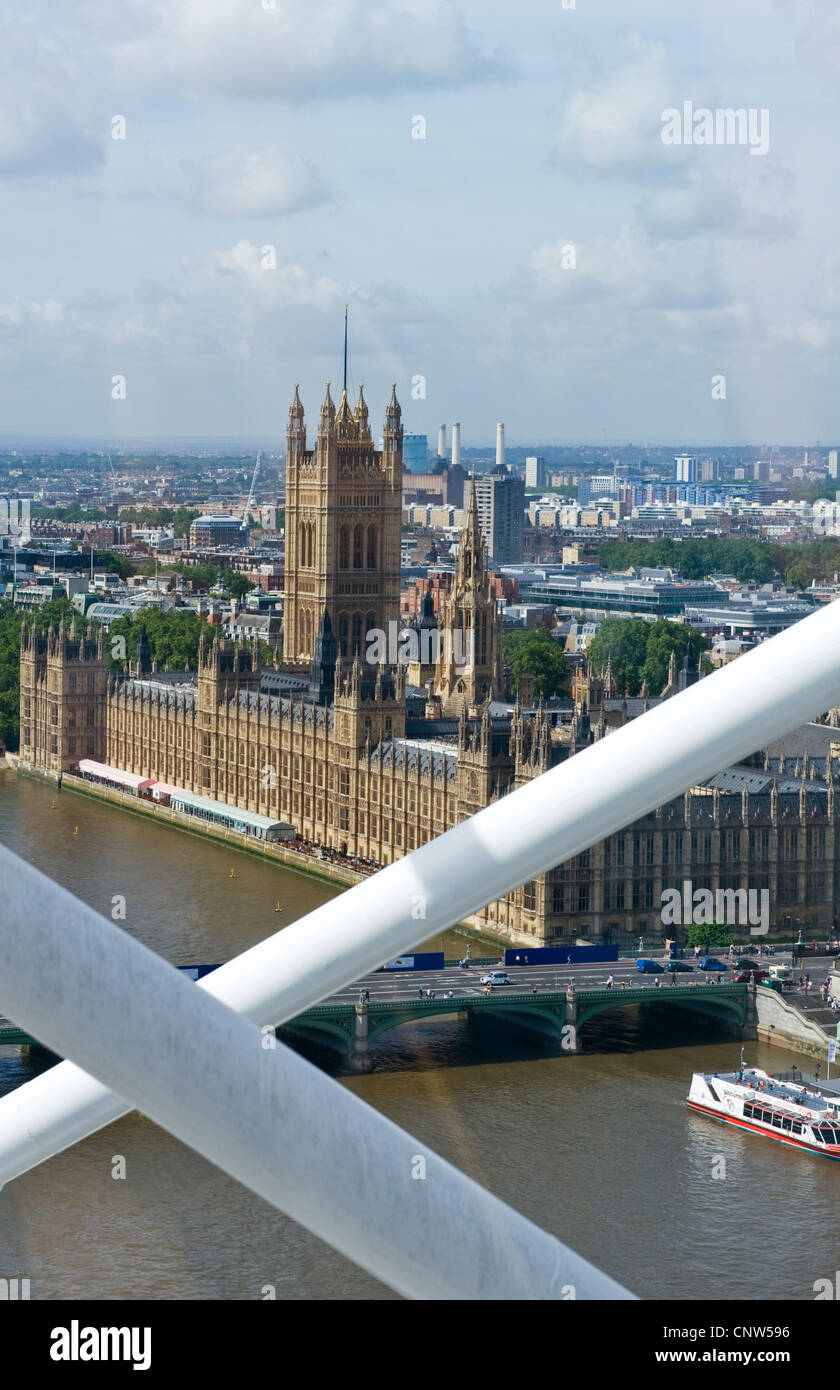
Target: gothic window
(529, 896)
(357, 630)
(72, 684)
(358, 538)
(371, 548)
(816, 842)
(343, 633)
(344, 548)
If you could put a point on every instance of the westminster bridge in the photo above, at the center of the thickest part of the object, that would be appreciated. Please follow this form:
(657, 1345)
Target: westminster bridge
(546, 1003)
(557, 1017)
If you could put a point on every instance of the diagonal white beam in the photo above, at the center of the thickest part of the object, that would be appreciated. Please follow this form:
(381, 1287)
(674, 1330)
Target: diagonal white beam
(270, 1119)
(722, 718)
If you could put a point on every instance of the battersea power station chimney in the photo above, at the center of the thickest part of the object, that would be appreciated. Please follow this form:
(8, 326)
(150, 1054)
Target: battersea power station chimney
(456, 444)
(500, 446)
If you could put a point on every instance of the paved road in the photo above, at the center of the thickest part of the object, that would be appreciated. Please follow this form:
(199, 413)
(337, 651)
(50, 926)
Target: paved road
(392, 986)
(386, 986)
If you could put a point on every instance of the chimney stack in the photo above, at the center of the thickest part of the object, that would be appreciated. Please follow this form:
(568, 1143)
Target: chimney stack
(500, 446)
(456, 443)
(442, 442)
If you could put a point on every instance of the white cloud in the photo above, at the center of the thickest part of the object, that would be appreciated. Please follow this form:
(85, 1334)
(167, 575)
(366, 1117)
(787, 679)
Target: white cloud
(266, 183)
(291, 48)
(45, 121)
(613, 124)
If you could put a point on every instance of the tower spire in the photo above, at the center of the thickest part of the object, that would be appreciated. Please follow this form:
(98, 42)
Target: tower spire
(345, 349)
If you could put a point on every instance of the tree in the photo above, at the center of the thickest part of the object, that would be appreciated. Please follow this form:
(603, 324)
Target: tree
(237, 584)
(114, 564)
(173, 638)
(708, 934)
(621, 642)
(538, 652)
(639, 651)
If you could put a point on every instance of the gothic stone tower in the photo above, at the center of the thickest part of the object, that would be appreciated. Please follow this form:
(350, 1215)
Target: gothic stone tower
(343, 519)
(469, 667)
(62, 698)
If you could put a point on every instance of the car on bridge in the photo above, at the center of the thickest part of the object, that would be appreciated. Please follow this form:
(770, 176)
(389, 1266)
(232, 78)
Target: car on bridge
(712, 963)
(744, 972)
(495, 977)
(649, 967)
(678, 967)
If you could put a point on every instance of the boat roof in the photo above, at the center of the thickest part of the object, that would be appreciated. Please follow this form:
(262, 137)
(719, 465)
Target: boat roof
(775, 1089)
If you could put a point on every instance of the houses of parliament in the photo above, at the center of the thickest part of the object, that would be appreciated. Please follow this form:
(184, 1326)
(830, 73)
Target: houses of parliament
(373, 761)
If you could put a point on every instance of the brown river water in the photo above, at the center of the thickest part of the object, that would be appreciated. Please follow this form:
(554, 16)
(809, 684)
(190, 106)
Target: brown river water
(599, 1149)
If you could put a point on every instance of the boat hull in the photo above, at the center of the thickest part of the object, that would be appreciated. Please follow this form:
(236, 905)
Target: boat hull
(789, 1141)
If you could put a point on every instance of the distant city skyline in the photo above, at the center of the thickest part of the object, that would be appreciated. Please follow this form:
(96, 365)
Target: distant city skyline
(194, 191)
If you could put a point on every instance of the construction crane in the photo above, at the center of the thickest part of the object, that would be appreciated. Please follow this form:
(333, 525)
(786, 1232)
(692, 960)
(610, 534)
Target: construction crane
(249, 504)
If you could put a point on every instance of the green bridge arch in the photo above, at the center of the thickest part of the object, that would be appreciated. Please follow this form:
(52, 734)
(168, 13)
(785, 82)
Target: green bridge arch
(335, 1026)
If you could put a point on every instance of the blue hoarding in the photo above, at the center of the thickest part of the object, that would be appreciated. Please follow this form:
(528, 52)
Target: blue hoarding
(559, 955)
(428, 960)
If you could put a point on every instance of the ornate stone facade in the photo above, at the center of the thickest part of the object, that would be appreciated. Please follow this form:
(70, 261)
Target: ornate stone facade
(343, 522)
(357, 760)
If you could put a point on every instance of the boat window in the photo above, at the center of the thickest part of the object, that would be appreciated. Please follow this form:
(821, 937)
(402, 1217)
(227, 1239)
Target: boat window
(786, 1122)
(818, 1134)
(748, 1112)
(797, 1126)
(777, 1121)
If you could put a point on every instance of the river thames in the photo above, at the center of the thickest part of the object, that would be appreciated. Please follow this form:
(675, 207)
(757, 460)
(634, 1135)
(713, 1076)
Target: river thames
(600, 1148)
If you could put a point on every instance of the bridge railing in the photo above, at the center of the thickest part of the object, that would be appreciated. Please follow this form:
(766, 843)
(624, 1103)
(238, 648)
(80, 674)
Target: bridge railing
(61, 980)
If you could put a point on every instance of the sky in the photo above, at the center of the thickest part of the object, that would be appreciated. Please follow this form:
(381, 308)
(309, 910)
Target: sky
(538, 256)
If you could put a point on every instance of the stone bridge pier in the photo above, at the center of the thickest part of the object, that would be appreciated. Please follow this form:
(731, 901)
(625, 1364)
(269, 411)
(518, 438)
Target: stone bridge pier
(360, 1059)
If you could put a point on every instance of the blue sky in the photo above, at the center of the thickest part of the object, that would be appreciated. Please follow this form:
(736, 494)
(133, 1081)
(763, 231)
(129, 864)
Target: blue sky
(290, 127)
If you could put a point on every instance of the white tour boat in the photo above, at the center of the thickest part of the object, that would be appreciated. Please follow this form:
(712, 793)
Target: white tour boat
(803, 1116)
